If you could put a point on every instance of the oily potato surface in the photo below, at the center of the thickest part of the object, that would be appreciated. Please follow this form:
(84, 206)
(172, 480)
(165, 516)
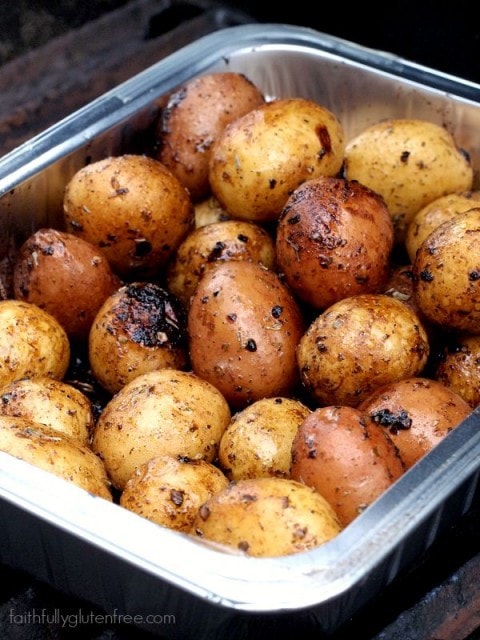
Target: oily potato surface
(409, 162)
(261, 157)
(267, 517)
(458, 367)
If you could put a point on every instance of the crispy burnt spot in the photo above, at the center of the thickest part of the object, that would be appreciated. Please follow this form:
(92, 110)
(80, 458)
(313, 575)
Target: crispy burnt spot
(325, 141)
(394, 421)
(152, 316)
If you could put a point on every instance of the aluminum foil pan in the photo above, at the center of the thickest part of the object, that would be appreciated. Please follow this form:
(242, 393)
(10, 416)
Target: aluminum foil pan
(169, 583)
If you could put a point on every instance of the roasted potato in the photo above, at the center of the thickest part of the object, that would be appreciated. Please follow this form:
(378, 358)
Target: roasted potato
(261, 157)
(258, 440)
(346, 457)
(458, 367)
(243, 327)
(65, 275)
(409, 162)
(51, 402)
(139, 328)
(169, 490)
(417, 413)
(213, 243)
(32, 343)
(132, 208)
(55, 452)
(446, 274)
(195, 115)
(267, 517)
(359, 344)
(160, 412)
(334, 239)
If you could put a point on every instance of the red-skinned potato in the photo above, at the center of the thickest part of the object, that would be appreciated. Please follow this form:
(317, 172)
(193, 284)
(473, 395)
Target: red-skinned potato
(194, 116)
(132, 208)
(65, 275)
(346, 457)
(243, 327)
(417, 413)
(334, 239)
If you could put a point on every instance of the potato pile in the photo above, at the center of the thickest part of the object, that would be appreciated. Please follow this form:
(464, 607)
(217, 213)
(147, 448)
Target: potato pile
(280, 321)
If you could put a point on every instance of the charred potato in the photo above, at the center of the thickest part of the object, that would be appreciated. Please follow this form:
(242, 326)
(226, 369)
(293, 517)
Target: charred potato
(261, 157)
(192, 120)
(32, 343)
(359, 344)
(258, 440)
(345, 457)
(267, 517)
(169, 490)
(334, 239)
(139, 328)
(132, 208)
(160, 412)
(417, 413)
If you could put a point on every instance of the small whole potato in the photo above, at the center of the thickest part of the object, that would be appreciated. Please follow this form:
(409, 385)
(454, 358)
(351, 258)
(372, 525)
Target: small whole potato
(65, 275)
(244, 326)
(433, 214)
(458, 367)
(51, 402)
(169, 490)
(139, 328)
(193, 118)
(267, 517)
(409, 162)
(334, 240)
(55, 452)
(359, 344)
(258, 440)
(160, 412)
(346, 457)
(208, 210)
(213, 243)
(32, 343)
(132, 208)
(417, 413)
(446, 274)
(261, 157)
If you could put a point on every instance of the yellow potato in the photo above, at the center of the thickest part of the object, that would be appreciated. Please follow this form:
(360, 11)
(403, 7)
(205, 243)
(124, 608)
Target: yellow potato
(261, 157)
(55, 452)
(51, 402)
(258, 440)
(169, 490)
(267, 517)
(409, 162)
(160, 412)
(32, 343)
(459, 367)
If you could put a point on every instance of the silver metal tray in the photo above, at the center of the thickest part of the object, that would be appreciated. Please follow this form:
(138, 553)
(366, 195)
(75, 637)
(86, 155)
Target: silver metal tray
(165, 582)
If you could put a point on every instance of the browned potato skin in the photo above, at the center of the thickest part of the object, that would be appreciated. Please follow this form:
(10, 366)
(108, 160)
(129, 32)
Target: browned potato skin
(345, 457)
(433, 214)
(217, 242)
(260, 158)
(132, 208)
(459, 367)
(267, 517)
(410, 162)
(243, 327)
(160, 412)
(65, 275)
(258, 441)
(54, 403)
(417, 413)
(446, 274)
(194, 117)
(169, 490)
(334, 239)
(139, 328)
(359, 344)
(32, 343)
(55, 452)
